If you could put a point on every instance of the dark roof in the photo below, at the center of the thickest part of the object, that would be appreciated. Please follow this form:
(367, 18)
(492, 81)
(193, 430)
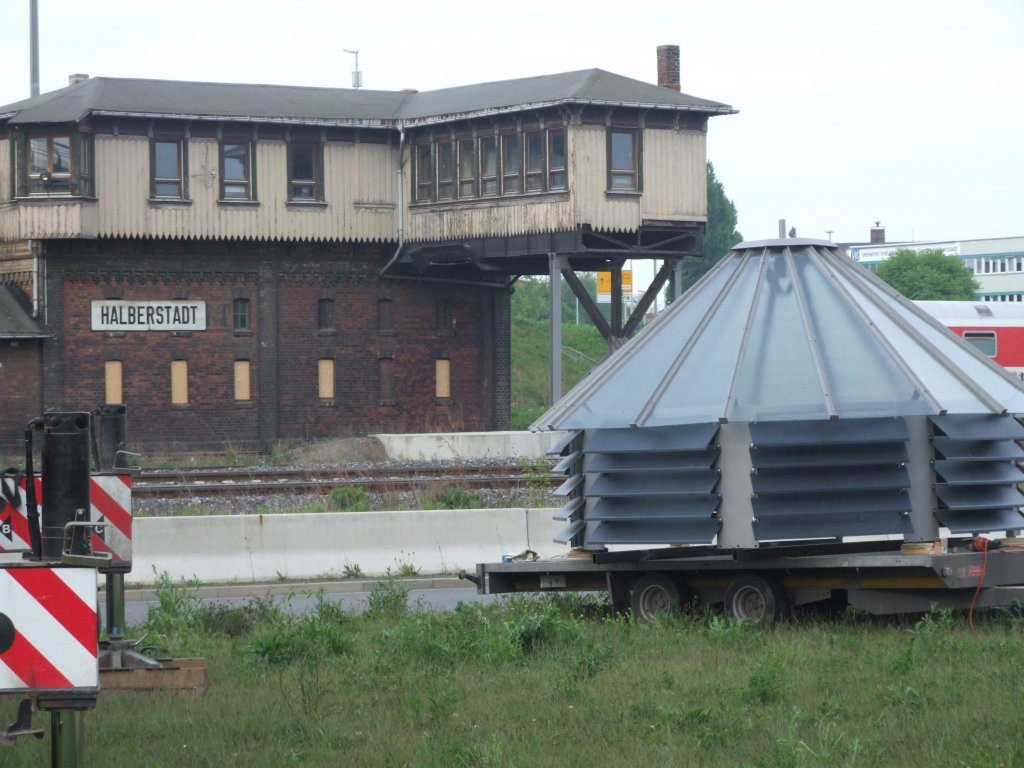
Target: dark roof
(14, 321)
(342, 106)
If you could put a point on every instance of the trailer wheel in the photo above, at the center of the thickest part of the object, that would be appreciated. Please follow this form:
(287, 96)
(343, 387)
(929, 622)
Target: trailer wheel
(655, 595)
(755, 599)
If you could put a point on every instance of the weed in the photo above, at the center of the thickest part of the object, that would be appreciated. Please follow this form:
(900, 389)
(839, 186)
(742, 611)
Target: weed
(352, 571)
(452, 498)
(389, 596)
(767, 682)
(350, 498)
(173, 619)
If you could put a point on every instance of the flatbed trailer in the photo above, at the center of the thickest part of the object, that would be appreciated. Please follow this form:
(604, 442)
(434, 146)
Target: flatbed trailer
(879, 577)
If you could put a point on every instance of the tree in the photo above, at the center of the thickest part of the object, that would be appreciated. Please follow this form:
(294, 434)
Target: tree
(531, 301)
(719, 237)
(928, 275)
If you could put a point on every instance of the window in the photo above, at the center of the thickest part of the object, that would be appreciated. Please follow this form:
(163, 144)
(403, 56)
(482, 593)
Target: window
(49, 164)
(467, 168)
(305, 172)
(488, 166)
(985, 341)
(424, 172)
(444, 315)
(236, 171)
(445, 170)
(556, 160)
(113, 382)
(442, 379)
(511, 164)
(240, 315)
(385, 316)
(179, 382)
(167, 158)
(535, 157)
(242, 391)
(325, 378)
(623, 160)
(386, 373)
(325, 314)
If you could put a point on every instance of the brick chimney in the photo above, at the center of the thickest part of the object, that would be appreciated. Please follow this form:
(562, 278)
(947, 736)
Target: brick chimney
(877, 234)
(668, 66)
(77, 78)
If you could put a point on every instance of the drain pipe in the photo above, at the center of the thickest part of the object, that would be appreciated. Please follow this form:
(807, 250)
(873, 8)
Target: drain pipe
(33, 248)
(401, 202)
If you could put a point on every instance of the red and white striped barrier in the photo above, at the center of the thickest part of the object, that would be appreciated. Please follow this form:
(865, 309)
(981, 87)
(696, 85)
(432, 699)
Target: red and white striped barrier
(48, 629)
(111, 500)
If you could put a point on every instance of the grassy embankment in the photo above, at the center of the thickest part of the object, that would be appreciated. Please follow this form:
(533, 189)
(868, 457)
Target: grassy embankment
(557, 683)
(531, 391)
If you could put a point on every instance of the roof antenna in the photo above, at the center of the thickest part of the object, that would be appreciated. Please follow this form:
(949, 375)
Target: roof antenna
(357, 76)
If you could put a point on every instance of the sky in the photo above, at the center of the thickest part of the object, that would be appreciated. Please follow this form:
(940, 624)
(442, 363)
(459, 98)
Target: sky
(905, 112)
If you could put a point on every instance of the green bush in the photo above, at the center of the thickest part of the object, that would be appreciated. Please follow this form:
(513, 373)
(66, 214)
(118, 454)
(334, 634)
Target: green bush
(453, 498)
(350, 498)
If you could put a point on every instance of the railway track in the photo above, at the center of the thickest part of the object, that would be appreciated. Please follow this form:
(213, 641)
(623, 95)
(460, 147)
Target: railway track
(171, 484)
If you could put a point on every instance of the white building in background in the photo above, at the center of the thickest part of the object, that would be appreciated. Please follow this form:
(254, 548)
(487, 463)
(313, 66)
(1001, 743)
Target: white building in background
(997, 262)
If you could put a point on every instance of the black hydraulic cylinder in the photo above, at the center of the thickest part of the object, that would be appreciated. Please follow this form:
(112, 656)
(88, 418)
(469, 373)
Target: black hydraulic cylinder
(65, 481)
(113, 440)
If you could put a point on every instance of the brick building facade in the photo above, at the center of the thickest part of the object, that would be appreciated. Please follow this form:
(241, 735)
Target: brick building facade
(241, 265)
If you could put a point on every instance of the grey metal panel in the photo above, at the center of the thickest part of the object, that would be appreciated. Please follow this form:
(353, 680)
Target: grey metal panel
(960, 497)
(565, 535)
(832, 504)
(688, 437)
(560, 443)
(977, 450)
(565, 465)
(828, 455)
(701, 481)
(830, 433)
(978, 426)
(14, 320)
(828, 479)
(821, 526)
(642, 462)
(655, 532)
(569, 485)
(978, 521)
(978, 472)
(570, 509)
(653, 509)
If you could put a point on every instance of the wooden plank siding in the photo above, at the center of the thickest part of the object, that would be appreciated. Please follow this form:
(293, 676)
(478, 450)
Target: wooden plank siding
(674, 189)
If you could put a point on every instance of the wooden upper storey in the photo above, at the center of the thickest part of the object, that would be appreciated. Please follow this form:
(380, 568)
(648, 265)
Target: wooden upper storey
(159, 159)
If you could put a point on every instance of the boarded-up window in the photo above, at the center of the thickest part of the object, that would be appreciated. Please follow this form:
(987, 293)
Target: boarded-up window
(386, 371)
(113, 379)
(179, 382)
(385, 317)
(325, 379)
(242, 391)
(442, 375)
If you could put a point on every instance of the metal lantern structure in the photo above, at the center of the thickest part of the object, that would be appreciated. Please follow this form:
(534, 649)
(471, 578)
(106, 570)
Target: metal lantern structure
(789, 395)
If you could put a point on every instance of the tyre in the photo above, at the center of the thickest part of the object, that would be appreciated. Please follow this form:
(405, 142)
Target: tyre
(755, 599)
(655, 595)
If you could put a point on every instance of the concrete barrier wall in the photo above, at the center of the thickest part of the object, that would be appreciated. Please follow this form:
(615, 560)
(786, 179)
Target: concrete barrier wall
(451, 446)
(308, 546)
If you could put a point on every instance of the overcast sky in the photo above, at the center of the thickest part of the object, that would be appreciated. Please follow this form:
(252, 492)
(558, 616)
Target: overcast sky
(908, 112)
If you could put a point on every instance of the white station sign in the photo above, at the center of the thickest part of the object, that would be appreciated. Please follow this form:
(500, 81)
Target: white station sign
(171, 315)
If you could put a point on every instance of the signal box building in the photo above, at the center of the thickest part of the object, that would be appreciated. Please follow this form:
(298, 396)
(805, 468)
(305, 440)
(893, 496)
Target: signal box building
(243, 264)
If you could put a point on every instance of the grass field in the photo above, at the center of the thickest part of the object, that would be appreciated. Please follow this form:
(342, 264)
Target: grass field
(558, 682)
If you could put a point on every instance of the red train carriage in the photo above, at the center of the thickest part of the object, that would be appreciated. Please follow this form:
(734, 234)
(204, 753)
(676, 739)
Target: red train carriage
(996, 328)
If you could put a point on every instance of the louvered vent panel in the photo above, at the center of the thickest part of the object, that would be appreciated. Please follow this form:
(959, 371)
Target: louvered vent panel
(652, 485)
(977, 472)
(825, 479)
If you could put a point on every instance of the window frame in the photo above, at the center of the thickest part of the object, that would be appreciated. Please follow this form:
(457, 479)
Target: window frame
(555, 170)
(490, 182)
(316, 183)
(248, 183)
(77, 181)
(424, 169)
(535, 150)
(973, 336)
(631, 174)
(180, 180)
(468, 170)
(325, 315)
(512, 157)
(447, 169)
(241, 314)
